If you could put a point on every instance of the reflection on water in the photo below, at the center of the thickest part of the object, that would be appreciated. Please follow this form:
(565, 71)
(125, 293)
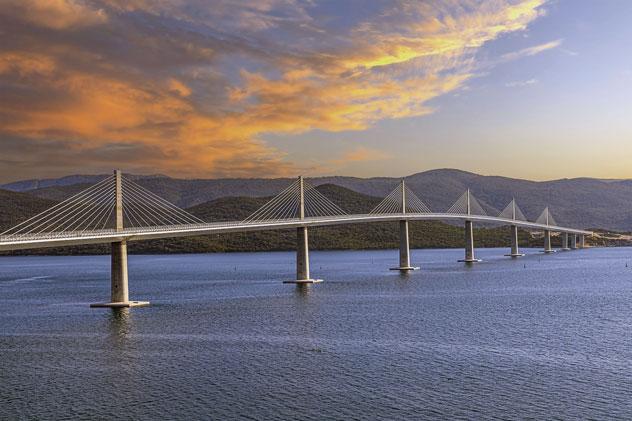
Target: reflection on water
(119, 323)
(538, 337)
(303, 290)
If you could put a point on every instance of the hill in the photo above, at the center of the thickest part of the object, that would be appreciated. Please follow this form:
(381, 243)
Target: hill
(581, 202)
(16, 207)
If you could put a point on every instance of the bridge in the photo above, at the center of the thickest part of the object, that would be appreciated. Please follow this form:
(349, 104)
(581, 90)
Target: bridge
(117, 210)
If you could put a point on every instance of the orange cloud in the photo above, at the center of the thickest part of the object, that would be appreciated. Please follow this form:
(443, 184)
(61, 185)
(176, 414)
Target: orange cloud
(191, 89)
(54, 14)
(363, 154)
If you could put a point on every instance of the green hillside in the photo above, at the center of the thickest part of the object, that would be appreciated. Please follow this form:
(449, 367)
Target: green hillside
(16, 207)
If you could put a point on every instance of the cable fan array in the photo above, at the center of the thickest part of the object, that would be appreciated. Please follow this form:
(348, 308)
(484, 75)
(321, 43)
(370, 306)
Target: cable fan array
(287, 204)
(460, 207)
(512, 211)
(142, 208)
(93, 209)
(546, 218)
(88, 210)
(392, 203)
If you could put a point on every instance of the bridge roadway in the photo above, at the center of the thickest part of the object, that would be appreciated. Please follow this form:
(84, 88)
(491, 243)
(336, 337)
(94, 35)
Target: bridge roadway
(43, 240)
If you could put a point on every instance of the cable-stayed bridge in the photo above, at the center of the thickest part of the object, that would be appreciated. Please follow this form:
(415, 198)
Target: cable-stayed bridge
(117, 210)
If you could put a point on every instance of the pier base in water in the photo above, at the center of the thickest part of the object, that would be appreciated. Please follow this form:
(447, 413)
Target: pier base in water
(405, 268)
(124, 304)
(304, 281)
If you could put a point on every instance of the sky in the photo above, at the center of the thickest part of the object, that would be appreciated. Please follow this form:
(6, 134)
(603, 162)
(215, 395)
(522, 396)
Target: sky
(531, 89)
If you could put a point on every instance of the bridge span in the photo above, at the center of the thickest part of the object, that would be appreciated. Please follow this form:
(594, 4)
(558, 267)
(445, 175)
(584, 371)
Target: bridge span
(117, 211)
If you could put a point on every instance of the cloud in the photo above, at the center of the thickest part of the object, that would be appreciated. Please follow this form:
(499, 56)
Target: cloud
(190, 88)
(53, 14)
(521, 83)
(531, 51)
(362, 154)
(569, 52)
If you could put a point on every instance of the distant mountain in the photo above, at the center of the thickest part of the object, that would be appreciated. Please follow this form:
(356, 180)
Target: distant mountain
(70, 180)
(27, 185)
(581, 202)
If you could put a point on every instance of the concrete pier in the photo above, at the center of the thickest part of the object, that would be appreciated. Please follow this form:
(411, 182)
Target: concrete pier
(515, 251)
(118, 275)
(469, 233)
(302, 246)
(582, 241)
(302, 259)
(469, 244)
(547, 242)
(404, 248)
(573, 241)
(565, 241)
(120, 289)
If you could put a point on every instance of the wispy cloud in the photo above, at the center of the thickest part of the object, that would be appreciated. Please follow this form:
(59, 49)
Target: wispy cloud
(191, 88)
(521, 83)
(569, 52)
(362, 154)
(531, 51)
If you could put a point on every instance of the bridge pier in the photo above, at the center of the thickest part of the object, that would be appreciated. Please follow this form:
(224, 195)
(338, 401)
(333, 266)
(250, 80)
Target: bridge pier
(515, 252)
(469, 244)
(302, 259)
(573, 241)
(118, 275)
(582, 241)
(547, 242)
(119, 280)
(404, 248)
(565, 241)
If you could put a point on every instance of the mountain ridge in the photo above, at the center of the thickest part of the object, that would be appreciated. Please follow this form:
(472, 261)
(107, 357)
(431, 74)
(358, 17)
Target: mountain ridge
(581, 202)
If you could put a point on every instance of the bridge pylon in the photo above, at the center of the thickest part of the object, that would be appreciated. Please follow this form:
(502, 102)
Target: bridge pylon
(468, 205)
(513, 212)
(119, 275)
(402, 201)
(302, 243)
(404, 242)
(547, 219)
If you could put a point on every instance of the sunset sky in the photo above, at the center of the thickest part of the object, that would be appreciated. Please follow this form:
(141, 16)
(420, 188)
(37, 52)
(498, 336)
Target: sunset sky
(236, 88)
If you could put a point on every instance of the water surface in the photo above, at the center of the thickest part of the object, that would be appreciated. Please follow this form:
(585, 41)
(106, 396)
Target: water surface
(544, 336)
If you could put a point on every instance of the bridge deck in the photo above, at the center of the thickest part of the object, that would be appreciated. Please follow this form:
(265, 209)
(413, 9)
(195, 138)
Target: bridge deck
(42, 240)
